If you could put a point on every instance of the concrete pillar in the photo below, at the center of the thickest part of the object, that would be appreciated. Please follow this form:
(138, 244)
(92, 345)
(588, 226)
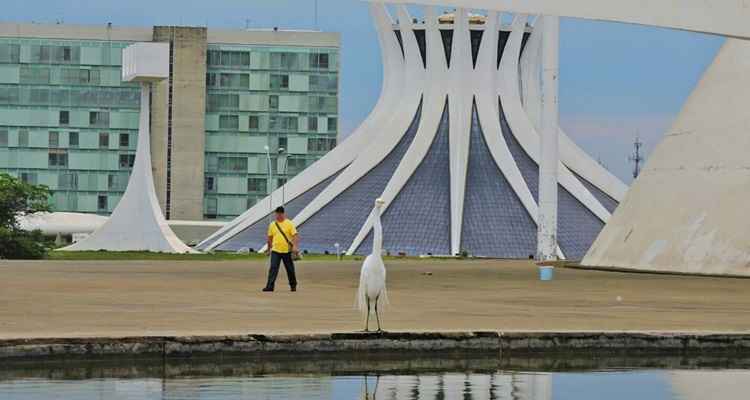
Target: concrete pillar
(178, 124)
(549, 157)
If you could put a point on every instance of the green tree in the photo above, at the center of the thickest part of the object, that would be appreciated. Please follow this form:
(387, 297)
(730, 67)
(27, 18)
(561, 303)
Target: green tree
(20, 198)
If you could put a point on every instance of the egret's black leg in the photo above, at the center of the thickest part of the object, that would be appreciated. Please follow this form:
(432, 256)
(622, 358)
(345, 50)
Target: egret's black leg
(377, 316)
(367, 321)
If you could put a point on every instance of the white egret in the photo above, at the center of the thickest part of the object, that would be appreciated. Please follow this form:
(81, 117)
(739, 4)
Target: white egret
(372, 278)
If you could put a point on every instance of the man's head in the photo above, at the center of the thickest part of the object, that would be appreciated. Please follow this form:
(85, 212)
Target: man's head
(280, 214)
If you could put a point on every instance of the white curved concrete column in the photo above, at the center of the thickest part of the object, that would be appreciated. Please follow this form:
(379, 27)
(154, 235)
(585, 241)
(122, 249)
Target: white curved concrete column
(347, 151)
(523, 129)
(531, 75)
(549, 154)
(726, 17)
(571, 155)
(488, 111)
(432, 111)
(389, 133)
(460, 99)
(136, 224)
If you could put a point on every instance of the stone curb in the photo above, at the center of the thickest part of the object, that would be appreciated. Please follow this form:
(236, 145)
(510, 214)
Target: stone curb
(506, 343)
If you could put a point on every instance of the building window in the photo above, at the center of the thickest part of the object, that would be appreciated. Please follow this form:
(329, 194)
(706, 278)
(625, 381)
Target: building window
(67, 54)
(229, 58)
(73, 139)
(209, 184)
(323, 83)
(312, 124)
(111, 181)
(54, 140)
(279, 82)
(282, 124)
(103, 140)
(58, 159)
(212, 205)
(10, 53)
(23, 138)
(67, 181)
(64, 118)
(273, 102)
(230, 122)
(233, 164)
(127, 160)
(295, 165)
(223, 102)
(319, 61)
(282, 143)
(280, 182)
(3, 138)
(320, 145)
(285, 61)
(99, 118)
(28, 177)
(254, 122)
(238, 81)
(124, 140)
(101, 203)
(212, 163)
(210, 79)
(333, 124)
(256, 185)
(34, 75)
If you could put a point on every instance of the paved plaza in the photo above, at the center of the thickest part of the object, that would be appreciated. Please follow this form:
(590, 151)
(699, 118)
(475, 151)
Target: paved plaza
(124, 298)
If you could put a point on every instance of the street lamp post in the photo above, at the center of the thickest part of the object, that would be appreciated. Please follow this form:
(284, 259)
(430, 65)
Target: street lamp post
(268, 185)
(282, 173)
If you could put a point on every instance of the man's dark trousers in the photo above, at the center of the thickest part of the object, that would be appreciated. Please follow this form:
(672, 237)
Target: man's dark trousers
(276, 259)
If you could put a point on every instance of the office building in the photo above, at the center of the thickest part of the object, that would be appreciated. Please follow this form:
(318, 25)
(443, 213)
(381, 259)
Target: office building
(68, 122)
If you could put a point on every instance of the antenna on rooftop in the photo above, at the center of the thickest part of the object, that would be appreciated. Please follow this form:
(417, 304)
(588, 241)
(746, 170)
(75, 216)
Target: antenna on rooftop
(636, 158)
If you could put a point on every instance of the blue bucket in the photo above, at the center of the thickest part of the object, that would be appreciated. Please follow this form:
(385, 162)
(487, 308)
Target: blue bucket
(546, 273)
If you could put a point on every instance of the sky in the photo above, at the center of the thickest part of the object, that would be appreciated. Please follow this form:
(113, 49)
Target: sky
(616, 80)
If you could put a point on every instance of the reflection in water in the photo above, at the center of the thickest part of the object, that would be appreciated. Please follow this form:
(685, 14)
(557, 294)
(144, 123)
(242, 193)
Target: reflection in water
(702, 385)
(642, 385)
(461, 386)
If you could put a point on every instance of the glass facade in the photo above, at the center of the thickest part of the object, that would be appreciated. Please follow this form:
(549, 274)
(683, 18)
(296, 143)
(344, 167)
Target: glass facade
(279, 97)
(68, 122)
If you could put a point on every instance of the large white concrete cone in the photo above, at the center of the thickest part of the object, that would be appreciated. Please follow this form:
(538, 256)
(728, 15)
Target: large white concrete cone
(137, 223)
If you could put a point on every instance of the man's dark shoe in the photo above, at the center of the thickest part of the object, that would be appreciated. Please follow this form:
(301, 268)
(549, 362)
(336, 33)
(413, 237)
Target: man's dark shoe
(294, 288)
(268, 289)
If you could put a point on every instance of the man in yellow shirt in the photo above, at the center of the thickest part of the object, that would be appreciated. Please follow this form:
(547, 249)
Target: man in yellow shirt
(283, 241)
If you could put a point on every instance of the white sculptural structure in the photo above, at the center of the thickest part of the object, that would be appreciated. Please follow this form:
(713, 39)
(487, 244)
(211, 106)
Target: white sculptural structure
(137, 223)
(686, 212)
(681, 214)
(452, 147)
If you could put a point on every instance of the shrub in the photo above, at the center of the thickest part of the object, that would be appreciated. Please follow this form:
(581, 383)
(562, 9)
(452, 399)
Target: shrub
(19, 198)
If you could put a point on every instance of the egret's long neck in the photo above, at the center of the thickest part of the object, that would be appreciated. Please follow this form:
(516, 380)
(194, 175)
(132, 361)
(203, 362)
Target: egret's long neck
(377, 240)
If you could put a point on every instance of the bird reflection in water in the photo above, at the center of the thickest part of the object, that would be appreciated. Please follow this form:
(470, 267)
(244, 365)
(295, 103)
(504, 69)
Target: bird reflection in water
(457, 386)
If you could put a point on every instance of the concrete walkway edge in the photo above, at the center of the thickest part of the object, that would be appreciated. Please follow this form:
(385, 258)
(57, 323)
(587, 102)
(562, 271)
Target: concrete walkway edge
(505, 343)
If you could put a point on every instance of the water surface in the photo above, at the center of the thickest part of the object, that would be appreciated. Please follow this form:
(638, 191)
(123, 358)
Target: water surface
(462, 381)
